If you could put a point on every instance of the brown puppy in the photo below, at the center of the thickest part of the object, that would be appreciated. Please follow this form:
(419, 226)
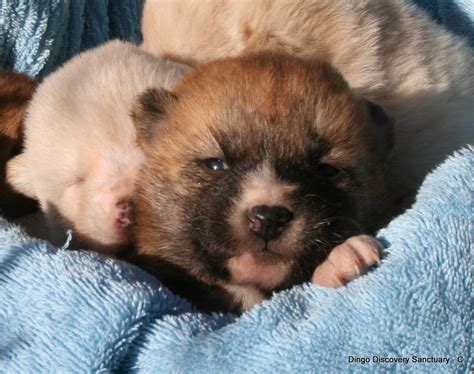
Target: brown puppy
(16, 91)
(389, 51)
(255, 169)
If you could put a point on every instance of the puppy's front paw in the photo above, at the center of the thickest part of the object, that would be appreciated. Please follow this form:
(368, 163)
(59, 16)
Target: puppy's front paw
(348, 261)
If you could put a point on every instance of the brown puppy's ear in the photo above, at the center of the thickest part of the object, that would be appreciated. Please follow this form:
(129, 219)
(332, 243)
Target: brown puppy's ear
(149, 112)
(17, 176)
(382, 128)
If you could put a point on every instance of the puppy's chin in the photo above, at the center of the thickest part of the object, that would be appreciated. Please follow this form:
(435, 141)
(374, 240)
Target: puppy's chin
(265, 265)
(110, 248)
(265, 269)
(115, 242)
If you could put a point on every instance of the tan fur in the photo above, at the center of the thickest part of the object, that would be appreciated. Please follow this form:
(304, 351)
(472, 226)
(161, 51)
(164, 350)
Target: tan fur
(248, 269)
(16, 91)
(81, 156)
(389, 51)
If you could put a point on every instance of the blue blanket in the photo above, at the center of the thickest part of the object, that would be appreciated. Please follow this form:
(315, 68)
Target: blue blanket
(456, 15)
(37, 36)
(66, 311)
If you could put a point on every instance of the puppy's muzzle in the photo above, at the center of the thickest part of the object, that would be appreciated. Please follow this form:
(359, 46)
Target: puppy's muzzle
(268, 222)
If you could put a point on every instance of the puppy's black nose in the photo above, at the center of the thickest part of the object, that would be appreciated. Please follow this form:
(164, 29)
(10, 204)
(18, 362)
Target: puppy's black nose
(268, 222)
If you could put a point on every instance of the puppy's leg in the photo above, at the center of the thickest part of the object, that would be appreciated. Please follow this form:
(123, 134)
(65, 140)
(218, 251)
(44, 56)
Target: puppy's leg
(348, 261)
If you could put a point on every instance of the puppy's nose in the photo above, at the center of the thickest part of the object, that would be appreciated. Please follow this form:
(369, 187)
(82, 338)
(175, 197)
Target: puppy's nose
(268, 222)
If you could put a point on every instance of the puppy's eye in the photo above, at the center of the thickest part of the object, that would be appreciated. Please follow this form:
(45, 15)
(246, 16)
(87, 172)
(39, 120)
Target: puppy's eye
(75, 182)
(215, 164)
(327, 171)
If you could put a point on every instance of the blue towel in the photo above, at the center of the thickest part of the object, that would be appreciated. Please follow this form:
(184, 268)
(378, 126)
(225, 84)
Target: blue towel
(455, 15)
(36, 36)
(68, 311)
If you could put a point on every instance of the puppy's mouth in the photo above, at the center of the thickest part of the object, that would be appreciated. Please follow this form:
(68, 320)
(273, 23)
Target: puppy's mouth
(268, 250)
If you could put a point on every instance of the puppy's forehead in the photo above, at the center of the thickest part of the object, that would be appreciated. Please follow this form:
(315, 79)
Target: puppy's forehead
(268, 100)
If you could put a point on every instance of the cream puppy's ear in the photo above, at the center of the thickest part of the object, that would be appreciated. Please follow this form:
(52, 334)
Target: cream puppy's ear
(149, 112)
(18, 176)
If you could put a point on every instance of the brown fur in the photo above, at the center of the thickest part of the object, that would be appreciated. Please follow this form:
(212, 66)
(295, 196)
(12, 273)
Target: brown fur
(389, 51)
(15, 92)
(274, 119)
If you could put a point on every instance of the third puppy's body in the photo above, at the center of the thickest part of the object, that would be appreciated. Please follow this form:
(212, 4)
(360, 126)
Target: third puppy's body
(16, 91)
(389, 51)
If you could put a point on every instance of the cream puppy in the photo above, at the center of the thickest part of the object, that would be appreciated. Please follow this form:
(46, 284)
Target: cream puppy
(80, 158)
(389, 51)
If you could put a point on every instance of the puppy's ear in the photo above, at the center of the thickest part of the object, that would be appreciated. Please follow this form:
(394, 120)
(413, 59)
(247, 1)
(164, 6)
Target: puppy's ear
(17, 176)
(149, 112)
(382, 128)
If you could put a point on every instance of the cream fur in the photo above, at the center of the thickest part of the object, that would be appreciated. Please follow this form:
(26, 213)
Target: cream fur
(80, 155)
(388, 50)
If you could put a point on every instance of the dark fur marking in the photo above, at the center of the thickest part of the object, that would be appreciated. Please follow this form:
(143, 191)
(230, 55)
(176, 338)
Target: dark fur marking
(150, 109)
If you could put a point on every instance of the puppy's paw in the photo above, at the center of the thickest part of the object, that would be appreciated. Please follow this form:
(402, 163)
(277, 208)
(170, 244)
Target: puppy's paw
(348, 261)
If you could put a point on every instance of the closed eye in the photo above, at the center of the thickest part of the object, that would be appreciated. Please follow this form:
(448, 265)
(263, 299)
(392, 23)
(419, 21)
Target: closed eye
(327, 171)
(75, 181)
